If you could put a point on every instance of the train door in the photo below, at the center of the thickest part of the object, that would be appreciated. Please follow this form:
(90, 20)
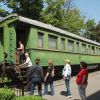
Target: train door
(21, 35)
(22, 32)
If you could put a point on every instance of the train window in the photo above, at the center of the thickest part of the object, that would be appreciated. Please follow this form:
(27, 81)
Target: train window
(83, 48)
(77, 47)
(92, 50)
(1, 36)
(52, 42)
(62, 43)
(97, 50)
(40, 40)
(88, 49)
(70, 46)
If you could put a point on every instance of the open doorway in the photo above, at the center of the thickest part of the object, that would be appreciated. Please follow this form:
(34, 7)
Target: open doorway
(22, 34)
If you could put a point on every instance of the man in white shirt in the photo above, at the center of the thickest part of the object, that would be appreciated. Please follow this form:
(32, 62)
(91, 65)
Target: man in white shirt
(67, 76)
(28, 61)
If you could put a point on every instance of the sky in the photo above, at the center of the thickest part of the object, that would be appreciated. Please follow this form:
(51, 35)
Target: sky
(89, 8)
(5, 7)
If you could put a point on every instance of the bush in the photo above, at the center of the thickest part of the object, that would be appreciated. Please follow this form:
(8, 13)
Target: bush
(30, 98)
(7, 94)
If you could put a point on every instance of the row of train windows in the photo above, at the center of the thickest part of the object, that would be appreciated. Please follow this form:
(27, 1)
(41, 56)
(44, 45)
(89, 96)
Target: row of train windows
(71, 46)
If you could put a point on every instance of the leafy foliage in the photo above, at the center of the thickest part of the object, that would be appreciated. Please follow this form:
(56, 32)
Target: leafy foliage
(62, 14)
(30, 98)
(27, 8)
(92, 30)
(53, 12)
(7, 94)
(89, 30)
(97, 32)
(74, 22)
(3, 13)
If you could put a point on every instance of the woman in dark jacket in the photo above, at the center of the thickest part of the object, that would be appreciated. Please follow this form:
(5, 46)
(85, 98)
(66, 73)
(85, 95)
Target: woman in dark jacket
(49, 78)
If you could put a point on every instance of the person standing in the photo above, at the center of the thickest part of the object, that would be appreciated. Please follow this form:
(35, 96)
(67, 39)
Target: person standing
(27, 61)
(21, 52)
(48, 79)
(35, 76)
(81, 80)
(67, 76)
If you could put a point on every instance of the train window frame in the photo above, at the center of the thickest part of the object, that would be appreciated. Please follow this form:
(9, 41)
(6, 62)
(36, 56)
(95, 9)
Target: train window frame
(70, 46)
(40, 36)
(62, 43)
(77, 47)
(97, 49)
(89, 49)
(92, 50)
(52, 38)
(84, 49)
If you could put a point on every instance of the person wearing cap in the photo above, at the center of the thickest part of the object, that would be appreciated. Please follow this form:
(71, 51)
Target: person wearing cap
(35, 76)
(67, 76)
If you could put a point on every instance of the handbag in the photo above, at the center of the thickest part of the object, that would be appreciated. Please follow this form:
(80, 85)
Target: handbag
(53, 73)
(68, 77)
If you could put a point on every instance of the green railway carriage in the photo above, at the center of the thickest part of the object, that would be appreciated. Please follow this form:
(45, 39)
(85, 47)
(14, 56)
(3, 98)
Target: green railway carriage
(45, 41)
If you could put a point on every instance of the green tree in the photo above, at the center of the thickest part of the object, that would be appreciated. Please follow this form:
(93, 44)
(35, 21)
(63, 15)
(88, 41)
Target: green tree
(90, 29)
(3, 13)
(27, 8)
(74, 22)
(97, 32)
(53, 12)
(63, 14)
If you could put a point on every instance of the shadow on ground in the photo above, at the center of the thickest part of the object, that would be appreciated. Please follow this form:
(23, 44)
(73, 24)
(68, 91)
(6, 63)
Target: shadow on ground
(95, 96)
(63, 93)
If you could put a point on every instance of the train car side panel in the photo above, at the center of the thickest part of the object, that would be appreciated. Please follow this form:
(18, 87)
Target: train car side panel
(12, 43)
(6, 40)
(1, 45)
